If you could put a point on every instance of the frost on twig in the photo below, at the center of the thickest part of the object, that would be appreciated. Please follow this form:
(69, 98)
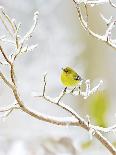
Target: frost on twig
(21, 48)
(107, 21)
(20, 43)
(28, 48)
(76, 91)
(6, 111)
(110, 24)
(88, 90)
(91, 133)
(29, 33)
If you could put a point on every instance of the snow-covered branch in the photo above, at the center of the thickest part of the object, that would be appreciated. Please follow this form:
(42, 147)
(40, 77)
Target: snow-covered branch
(93, 130)
(107, 37)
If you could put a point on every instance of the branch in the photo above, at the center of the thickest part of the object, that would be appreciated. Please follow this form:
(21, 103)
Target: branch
(11, 65)
(6, 111)
(76, 121)
(94, 2)
(27, 36)
(5, 25)
(82, 122)
(103, 38)
(4, 55)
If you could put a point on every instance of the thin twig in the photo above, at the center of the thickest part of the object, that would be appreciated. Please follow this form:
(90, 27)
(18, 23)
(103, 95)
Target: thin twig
(113, 5)
(9, 20)
(4, 55)
(6, 81)
(11, 65)
(7, 111)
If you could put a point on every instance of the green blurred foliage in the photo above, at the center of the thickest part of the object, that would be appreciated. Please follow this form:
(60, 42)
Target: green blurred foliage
(86, 144)
(98, 107)
(114, 143)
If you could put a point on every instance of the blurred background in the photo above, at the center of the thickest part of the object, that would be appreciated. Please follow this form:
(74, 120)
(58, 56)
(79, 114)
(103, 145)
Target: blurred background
(61, 42)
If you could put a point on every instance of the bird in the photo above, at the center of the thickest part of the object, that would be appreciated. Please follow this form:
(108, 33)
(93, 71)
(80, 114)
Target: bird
(69, 77)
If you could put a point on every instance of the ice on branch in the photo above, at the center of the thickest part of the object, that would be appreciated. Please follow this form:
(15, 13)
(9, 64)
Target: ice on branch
(84, 21)
(91, 133)
(3, 39)
(29, 33)
(75, 91)
(88, 90)
(92, 3)
(107, 21)
(28, 48)
(6, 111)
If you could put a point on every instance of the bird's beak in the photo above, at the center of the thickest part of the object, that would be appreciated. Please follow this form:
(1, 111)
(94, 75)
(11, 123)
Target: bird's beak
(81, 79)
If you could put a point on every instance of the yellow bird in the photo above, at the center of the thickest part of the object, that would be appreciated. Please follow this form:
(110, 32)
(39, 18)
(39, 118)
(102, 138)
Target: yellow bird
(69, 77)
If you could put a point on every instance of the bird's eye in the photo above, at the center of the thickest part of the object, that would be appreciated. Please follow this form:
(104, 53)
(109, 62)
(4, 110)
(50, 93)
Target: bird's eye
(65, 70)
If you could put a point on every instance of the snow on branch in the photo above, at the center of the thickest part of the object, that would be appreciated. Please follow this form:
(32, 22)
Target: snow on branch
(93, 130)
(88, 90)
(21, 46)
(107, 37)
(6, 111)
